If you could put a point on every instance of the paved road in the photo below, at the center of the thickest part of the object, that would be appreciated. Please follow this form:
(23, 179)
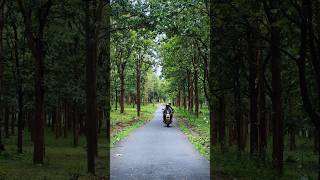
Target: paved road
(155, 152)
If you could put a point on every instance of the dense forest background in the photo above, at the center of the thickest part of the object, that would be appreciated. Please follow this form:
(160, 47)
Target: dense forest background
(246, 72)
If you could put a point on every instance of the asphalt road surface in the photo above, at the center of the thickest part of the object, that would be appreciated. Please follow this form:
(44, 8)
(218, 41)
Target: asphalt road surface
(155, 152)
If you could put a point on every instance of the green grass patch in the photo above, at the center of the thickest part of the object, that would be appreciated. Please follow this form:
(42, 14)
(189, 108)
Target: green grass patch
(129, 121)
(298, 164)
(197, 129)
(63, 161)
(125, 132)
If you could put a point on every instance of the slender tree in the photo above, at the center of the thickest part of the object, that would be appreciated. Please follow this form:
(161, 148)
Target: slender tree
(139, 63)
(93, 11)
(108, 79)
(35, 38)
(272, 11)
(2, 20)
(305, 26)
(253, 93)
(19, 88)
(238, 103)
(213, 127)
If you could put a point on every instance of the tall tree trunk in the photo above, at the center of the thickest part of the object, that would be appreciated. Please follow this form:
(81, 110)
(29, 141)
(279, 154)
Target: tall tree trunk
(116, 101)
(122, 90)
(93, 11)
(108, 82)
(314, 51)
(276, 97)
(2, 19)
(91, 88)
(238, 105)
(19, 90)
(261, 107)
(311, 111)
(196, 94)
(138, 83)
(36, 44)
(39, 150)
(191, 98)
(190, 91)
(315, 60)
(211, 84)
(253, 92)
(196, 89)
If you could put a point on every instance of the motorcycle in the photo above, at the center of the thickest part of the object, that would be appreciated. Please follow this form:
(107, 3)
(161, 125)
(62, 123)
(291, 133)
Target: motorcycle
(167, 114)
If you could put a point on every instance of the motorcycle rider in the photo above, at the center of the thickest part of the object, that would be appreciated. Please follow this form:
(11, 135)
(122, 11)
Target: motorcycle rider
(170, 109)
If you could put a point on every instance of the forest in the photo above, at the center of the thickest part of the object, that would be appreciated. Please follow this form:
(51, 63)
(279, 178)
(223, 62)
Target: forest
(77, 77)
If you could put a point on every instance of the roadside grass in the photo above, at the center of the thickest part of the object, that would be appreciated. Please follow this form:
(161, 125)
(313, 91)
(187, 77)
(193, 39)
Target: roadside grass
(298, 164)
(197, 129)
(123, 124)
(63, 161)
